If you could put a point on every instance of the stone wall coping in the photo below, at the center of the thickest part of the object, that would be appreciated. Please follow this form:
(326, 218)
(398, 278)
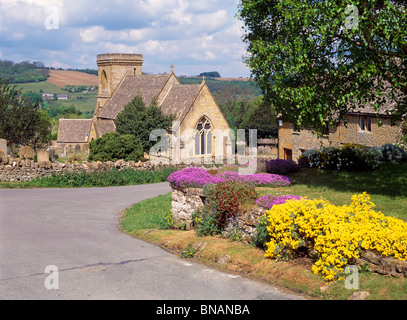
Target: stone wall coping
(190, 191)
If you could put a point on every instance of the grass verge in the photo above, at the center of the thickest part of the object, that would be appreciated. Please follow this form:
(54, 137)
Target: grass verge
(108, 178)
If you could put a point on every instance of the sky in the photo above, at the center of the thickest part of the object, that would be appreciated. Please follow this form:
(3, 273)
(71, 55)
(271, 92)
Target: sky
(194, 35)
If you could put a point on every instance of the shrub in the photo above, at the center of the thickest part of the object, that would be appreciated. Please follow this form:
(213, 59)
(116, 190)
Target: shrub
(281, 166)
(391, 152)
(205, 222)
(335, 235)
(114, 146)
(228, 199)
(261, 236)
(349, 157)
(223, 202)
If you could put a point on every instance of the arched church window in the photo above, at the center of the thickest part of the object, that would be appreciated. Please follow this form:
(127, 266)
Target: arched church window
(203, 137)
(104, 81)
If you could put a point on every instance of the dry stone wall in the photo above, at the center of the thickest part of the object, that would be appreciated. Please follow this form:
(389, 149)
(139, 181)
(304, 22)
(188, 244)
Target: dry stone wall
(14, 170)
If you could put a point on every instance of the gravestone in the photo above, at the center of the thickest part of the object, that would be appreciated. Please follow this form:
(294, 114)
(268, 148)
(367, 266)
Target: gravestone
(42, 155)
(77, 148)
(3, 146)
(26, 153)
(52, 153)
(63, 154)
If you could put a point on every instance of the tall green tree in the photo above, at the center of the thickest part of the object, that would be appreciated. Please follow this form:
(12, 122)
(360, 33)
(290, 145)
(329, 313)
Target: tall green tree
(263, 118)
(318, 60)
(21, 120)
(113, 146)
(139, 120)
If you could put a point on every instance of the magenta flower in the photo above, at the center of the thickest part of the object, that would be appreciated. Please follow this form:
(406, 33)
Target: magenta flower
(269, 200)
(199, 177)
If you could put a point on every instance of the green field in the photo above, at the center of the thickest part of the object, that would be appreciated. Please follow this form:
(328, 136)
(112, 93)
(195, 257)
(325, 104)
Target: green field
(85, 105)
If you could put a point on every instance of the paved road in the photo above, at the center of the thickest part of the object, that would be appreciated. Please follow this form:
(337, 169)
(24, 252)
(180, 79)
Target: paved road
(76, 231)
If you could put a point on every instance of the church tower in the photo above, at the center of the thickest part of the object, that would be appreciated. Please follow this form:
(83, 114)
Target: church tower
(112, 69)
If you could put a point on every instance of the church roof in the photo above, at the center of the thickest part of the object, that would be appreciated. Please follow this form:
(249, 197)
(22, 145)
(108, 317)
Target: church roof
(74, 130)
(149, 86)
(179, 98)
(104, 126)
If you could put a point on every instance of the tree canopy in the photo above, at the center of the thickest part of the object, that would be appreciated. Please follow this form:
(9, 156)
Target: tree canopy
(22, 72)
(139, 120)
(114, 146)
(318, 60)
(21, 120)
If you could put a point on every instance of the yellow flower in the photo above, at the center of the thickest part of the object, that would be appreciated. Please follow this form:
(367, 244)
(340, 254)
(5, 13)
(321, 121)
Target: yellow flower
(336, 233)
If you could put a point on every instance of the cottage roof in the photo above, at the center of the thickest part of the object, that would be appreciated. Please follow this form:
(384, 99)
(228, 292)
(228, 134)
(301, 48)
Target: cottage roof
(74, 130)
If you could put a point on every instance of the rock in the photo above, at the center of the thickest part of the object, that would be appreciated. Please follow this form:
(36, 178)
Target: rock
(224, 259)
(198, 246)
(361, 295)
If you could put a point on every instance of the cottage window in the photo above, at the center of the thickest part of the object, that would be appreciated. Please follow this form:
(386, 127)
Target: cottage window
(288, 154)
(203, 137)
(365, 123)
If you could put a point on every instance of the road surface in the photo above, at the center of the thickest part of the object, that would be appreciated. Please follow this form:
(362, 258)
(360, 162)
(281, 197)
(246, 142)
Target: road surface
(75, 232)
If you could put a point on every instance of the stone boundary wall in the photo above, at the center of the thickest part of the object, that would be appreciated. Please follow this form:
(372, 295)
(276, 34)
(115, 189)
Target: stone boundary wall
(14, 170)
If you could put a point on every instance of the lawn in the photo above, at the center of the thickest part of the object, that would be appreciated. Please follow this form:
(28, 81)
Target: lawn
(387, 187)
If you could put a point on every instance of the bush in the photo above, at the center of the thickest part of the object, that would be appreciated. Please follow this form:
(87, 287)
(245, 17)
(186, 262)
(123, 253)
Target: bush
(261, 236)
(333, 235)
(229, 197)
(390, 152)
(349, 157)
(223, 202)
(280, 166)
(114, 146)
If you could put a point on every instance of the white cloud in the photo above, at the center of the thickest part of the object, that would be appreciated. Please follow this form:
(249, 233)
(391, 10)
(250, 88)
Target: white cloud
(196, 35)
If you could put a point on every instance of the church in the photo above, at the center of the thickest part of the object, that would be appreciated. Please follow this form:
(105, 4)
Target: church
(200, 131)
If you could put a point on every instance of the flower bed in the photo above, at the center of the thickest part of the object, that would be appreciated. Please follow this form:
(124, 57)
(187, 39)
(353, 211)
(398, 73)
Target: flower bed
(199, 177)
(335, 235)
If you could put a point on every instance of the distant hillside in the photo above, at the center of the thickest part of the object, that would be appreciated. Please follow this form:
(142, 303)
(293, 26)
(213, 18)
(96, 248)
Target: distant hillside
(224, 89)
(22, 72)
(61, 78)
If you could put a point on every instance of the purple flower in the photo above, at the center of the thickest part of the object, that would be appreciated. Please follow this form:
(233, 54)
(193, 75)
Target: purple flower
(269, 200)
(281, 166)
(199, 177)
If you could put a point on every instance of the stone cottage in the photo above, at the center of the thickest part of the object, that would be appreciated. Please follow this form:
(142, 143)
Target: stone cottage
(74, 134)
(358, 127)
(202, 130)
